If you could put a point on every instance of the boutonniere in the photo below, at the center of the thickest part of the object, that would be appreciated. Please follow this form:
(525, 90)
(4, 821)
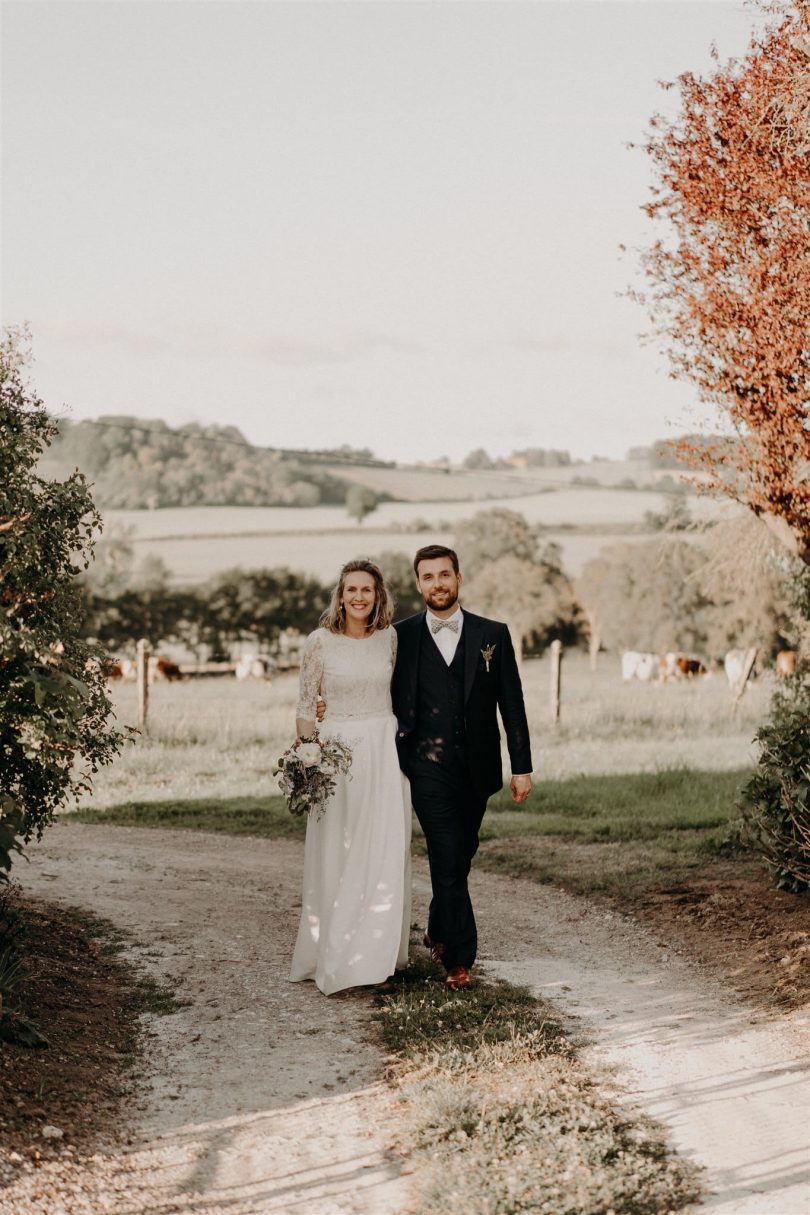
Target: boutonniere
(487, 653)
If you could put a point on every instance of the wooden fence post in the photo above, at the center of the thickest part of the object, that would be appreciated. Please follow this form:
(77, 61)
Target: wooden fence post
(556, 664)
(750, 659)
(142, 678)
(594, 637)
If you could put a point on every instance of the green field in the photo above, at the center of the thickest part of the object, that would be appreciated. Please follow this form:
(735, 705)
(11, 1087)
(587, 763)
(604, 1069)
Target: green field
(214, 738)
(636, 786)
(197, 542)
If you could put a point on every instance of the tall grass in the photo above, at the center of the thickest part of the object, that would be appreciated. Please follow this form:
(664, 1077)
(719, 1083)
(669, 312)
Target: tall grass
(216, 738)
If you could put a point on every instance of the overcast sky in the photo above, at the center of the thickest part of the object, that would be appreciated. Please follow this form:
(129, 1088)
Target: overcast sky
(389, 224)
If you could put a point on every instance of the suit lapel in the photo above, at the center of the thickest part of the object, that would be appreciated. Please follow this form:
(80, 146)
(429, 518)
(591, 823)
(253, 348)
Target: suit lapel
(473, 629)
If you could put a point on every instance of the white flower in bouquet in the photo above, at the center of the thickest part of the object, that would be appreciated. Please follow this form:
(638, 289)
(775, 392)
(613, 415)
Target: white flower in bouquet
(308, 771)
(310, 754)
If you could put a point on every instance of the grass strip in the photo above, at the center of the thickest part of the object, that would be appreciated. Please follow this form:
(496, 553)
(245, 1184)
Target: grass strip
(586, 809)
(501, 1117)
(633, 806)
(609, 834)
(258, 816)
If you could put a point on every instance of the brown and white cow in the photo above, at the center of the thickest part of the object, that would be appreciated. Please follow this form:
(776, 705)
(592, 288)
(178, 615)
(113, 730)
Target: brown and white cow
(674, 666)
(161, 668)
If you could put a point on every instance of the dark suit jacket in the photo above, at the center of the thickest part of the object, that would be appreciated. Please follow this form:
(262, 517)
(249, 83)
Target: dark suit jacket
(485, 691)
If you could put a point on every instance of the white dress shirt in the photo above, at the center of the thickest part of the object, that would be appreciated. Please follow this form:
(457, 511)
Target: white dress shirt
(446, 640)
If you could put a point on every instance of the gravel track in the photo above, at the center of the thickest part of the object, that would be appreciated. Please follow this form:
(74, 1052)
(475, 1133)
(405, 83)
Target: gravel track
(265, 1096)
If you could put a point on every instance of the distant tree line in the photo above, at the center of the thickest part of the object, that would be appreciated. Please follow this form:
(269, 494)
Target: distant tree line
(731, 588)
(125, 599)
(532, 457)
(135, 464)
(510, 573)
(662, 454)
(735, 587)
(235, 606)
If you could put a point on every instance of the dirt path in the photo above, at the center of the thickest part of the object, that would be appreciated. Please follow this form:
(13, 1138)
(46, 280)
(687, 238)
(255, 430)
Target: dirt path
(732, 1086)
(265, 1096)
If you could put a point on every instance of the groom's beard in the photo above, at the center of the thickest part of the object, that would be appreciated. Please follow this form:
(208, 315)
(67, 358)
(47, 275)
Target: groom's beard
(440, 601)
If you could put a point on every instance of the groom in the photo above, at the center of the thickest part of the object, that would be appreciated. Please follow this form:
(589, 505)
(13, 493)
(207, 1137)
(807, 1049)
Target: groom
(453, 671)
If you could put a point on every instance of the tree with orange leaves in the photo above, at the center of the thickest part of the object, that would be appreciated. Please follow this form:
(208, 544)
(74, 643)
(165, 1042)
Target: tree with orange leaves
(729, 286)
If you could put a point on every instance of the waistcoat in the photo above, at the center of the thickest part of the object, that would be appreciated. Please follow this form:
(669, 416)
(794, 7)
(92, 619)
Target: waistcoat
(439, 734)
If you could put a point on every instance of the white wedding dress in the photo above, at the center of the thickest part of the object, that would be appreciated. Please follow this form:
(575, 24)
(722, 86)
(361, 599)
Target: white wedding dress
(356, 908)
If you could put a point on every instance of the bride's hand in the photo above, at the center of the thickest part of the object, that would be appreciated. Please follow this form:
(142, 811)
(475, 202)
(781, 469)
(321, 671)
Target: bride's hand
(320, 708)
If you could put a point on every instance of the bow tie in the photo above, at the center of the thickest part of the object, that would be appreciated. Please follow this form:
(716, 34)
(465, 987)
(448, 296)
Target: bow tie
(436, 624)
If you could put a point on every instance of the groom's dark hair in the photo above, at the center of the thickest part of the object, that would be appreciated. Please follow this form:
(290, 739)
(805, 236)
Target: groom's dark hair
(430, 552)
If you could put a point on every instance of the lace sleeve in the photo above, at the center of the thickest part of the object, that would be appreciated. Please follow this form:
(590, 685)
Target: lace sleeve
(394, 639)
(309, 683)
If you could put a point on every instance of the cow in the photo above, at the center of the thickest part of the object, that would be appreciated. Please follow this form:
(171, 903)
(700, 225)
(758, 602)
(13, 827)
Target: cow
(734, 666)
(689, 668)
(129, 669)
(679, 666)
(250, 666)
(786, 663)
(636, 664)
(161, 668)
(667, 667)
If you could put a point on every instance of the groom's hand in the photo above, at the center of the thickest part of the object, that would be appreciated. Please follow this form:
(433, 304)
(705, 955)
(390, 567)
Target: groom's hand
(521, 787)
(320, 708)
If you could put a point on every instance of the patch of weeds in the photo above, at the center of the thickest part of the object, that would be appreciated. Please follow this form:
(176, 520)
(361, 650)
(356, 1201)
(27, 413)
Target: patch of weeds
(504, 1119)
(147, 994)
(730, 842)
(150, 996)
(418, 1015)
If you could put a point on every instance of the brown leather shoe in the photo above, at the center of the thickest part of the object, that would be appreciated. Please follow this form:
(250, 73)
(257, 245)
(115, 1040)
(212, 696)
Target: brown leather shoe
(435, 947)
(457, 976)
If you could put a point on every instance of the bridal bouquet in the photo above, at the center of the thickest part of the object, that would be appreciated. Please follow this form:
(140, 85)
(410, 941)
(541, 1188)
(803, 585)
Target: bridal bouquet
(308, 772)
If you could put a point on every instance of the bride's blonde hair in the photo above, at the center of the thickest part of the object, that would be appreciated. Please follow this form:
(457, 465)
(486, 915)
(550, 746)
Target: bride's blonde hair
(381, 615)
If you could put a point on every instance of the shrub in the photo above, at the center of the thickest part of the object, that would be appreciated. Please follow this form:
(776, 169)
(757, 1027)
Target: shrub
(776, 801)
(54, 709)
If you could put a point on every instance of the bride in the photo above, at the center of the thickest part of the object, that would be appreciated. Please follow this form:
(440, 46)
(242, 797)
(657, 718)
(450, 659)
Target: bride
(357, 890)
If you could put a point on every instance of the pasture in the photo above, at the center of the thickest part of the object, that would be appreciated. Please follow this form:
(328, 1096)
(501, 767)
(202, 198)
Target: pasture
(414, 483)
(579, 506)
(216, 738)
(198, 542)
(193, 559)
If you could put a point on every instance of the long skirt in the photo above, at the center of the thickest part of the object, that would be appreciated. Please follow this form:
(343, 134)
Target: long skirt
(356, 910)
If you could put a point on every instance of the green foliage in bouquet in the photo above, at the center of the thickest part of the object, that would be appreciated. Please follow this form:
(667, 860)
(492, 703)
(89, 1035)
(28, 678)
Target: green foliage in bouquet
(55, 713)
(776, 801)
(308, 772)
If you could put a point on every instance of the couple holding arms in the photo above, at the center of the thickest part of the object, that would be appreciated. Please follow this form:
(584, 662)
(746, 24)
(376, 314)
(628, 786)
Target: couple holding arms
(417, 704)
